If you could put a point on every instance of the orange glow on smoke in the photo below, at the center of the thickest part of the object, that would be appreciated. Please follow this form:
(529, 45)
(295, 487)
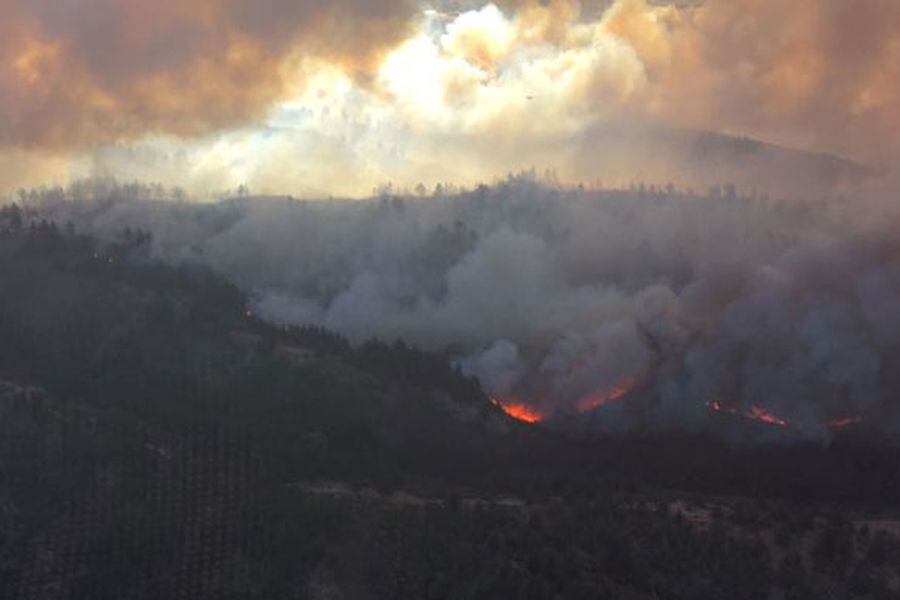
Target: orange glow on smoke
(596, 400)
(519, 411)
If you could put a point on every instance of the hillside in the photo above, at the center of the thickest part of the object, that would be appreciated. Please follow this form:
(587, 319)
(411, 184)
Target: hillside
(156, 436)
(701, 158)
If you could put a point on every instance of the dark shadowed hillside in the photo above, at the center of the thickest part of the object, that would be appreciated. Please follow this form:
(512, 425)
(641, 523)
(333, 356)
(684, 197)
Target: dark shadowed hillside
(157, 437)
(449, 300)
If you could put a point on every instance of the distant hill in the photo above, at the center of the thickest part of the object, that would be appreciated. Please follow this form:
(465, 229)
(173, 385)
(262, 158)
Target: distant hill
(700, 159)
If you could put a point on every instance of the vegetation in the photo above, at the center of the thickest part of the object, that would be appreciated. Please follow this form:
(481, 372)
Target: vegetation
(158, 441)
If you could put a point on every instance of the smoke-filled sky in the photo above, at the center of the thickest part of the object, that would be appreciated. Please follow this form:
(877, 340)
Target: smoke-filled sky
(307, 97)
(560, 297)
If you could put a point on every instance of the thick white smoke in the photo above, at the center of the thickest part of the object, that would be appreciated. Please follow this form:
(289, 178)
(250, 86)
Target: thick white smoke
(560, 298)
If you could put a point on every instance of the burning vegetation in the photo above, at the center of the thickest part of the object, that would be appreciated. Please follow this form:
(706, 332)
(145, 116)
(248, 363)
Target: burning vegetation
(565, 302)
(522, 411)
(519, 411)
(760, 415)
(754, 413)
(269, 392)
(604, 398)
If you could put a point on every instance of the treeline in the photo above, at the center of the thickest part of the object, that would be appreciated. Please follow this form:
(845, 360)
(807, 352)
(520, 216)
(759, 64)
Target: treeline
(103, 324)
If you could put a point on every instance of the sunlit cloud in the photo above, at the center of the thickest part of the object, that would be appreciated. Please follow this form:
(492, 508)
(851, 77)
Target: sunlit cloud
(342, 100)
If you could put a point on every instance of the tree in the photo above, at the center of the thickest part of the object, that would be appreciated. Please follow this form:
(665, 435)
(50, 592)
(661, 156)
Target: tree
(11, 218)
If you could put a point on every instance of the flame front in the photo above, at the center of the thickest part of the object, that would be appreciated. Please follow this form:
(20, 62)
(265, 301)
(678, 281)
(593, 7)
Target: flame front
(761, 415)
(845, 422)
(527, 414)
(519, 411)
(755, 413)
(596, 400)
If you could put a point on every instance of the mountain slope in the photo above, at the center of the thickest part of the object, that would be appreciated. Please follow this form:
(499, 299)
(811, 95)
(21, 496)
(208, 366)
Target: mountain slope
(699, 159)
(158, 441)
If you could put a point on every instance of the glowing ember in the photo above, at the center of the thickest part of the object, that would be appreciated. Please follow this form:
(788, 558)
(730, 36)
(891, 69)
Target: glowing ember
(761, 415)
(755, 413)
(845, 422)
(716, 406)
(595, 401)
(519, 411)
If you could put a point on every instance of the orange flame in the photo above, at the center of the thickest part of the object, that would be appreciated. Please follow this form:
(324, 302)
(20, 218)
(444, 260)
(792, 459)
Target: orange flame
(756, 413)
(761, 415)
(519, 411)
(596, 400)
(845, 422)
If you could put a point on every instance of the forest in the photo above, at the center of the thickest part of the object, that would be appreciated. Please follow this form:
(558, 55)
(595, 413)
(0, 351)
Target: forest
(159, 437)
(449, 300)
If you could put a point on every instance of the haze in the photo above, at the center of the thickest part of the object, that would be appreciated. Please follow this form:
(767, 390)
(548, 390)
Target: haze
(450, 299)
(315, 99)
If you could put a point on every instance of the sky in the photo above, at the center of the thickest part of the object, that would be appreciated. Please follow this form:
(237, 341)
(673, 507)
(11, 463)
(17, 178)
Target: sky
(315, 98)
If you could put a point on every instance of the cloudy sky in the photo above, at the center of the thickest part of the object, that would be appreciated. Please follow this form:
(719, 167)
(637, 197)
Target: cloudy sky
(308, 97)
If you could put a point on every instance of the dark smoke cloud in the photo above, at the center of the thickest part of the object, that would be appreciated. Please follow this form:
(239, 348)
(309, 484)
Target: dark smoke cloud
(81, 72)
(815, 73)
(594, 89)
(560, 297)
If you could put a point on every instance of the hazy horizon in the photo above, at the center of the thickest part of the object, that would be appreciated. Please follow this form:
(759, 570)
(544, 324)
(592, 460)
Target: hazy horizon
(306, 99)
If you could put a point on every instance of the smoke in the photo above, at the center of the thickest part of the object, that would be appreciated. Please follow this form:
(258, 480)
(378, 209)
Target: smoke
(570, 300)
(561, 298)
(814, 74)
(499, 368)
(313, 98)
(528, 77)
(77, 73)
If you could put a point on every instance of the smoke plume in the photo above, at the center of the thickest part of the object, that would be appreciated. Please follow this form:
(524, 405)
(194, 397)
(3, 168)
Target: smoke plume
(77, 73)
(572, 300)
(338, 97)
